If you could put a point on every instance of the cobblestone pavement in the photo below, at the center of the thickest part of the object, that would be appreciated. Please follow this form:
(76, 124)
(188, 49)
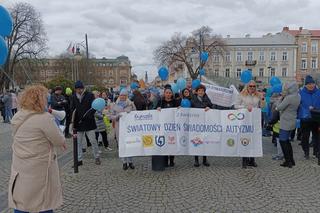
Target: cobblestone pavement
(222, 187)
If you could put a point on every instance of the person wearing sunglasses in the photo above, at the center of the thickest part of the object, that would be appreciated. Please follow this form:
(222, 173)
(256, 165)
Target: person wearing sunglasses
(249, 98)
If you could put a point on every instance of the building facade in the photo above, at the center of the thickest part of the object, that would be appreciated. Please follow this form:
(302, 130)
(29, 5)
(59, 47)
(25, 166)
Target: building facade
(266, 56)
(108, 73)
(308, 54)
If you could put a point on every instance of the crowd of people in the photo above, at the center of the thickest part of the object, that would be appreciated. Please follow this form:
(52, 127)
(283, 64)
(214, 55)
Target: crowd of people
(36, 133)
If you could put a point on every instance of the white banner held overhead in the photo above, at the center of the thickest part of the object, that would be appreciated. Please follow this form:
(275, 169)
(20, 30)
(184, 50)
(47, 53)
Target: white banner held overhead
(234, 133)
(220, 95)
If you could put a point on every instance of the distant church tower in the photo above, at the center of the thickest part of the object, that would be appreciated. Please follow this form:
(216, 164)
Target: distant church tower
(146, 77)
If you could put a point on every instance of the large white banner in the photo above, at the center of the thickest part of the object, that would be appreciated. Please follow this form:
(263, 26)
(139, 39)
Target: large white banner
(222, 96)
(191, 131)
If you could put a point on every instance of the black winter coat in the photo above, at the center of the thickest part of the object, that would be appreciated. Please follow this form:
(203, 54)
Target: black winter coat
(196, 103)
(87, 119)
(168, 104)
(58, 102)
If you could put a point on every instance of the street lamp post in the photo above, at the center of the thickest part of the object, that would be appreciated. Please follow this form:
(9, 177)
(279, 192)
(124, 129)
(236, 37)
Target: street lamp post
(269, 76)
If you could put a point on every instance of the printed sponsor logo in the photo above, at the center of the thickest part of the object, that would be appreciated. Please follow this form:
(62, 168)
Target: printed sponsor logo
(133, 141)
(210, 142)
(147, 140)
(143, 117)
(183, 141)
(160, 140)
(236, 116)
(171, 139)
(230, 142)
(196, 141)
(245, 141)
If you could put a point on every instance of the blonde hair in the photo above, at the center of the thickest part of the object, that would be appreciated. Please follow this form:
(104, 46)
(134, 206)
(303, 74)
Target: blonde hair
(245, 92)
(34, 98)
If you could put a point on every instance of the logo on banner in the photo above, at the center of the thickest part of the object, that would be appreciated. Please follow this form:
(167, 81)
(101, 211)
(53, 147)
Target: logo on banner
(183, 141)
(236, 116)
(160, 140)
(143, 117)
(230, 142)
(133, 141)
(196, 141)
(171, 139)
(245, 141)
(147, 140)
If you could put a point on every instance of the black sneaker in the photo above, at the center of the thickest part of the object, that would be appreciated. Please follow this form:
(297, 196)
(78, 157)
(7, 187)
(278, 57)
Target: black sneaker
(125, 166)
(84, 150)
(205, 163)
(131, 166)
(196, 164)
(97, 162)
(171, 164)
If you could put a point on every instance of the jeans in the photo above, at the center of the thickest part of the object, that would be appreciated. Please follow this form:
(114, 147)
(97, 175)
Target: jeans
(91, 136)
(8, 113)
(18, 211)
(104, 138)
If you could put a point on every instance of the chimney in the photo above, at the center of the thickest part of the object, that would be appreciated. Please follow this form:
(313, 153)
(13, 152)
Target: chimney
(228, 36)
(285, 29)
(247, 35)
(300, 28)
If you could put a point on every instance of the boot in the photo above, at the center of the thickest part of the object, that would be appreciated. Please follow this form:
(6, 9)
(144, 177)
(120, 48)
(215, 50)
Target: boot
(166, 161)
(244, 163)
(290, 154)
(285, 153)
(196, 161)
(251, 162)
(205, 162)
(131, 166)
(125, 166)
(171, 159)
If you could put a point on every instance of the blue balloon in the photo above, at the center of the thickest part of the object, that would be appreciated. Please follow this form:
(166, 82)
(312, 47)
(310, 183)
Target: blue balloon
(204, 56)
(246, 76)
(195, 83)
(98, 104)
(185, 103)
(3, 51)
(163, 73)
(181, 83)
(274, 81)
(174, 88)
(134, 85)
(202, 71)
(277, 88)
(6, 23)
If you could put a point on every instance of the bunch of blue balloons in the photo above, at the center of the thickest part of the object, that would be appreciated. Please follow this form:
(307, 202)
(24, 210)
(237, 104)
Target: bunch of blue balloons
(276, 85)
(204, 56)
(6, 26)
(246, 76)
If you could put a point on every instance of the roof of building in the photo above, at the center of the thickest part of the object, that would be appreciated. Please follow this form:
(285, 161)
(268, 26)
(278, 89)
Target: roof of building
(266, 40)
(301, 31)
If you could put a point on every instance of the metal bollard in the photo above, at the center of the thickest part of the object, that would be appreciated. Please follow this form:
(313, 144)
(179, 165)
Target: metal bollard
(75, 152)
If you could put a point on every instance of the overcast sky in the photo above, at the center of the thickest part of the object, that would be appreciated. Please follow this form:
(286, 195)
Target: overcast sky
(136, 27)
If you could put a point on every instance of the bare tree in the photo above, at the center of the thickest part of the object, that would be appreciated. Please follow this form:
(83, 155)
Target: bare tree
(28, 38)
(179, 49)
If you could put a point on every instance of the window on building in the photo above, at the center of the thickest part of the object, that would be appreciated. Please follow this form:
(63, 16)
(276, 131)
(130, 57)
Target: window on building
(239, 56)
(261, 71)
(238, 73)
(250, 56)
(285, 56)
(304, 64)
(273, 72)
(273, 56)
(314, 63)
(314, 46)
(304, 47)
(227, 72)
(216, 72)
(261, 56)
(216, 58)
(284, 72)
(228, 57)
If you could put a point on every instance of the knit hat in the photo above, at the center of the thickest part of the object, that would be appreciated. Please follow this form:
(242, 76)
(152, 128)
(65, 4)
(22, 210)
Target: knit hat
(78, 85)
(123, 92)
(309, 80)
(58, 88)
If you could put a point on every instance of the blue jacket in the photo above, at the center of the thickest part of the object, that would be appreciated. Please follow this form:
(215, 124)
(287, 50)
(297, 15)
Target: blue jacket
(308, 99)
